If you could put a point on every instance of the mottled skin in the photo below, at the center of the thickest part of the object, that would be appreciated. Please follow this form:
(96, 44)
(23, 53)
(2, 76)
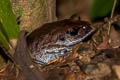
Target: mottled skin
(54, 40)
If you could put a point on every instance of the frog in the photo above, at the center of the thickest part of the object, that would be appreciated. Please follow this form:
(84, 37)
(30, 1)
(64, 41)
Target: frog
(55, 40)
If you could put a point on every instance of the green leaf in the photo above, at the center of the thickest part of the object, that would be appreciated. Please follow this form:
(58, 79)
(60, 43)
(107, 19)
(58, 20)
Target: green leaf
(3, 41)
(9, 28)
(100, 8)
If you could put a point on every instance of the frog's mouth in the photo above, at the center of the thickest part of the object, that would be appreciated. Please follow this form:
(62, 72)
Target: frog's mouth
(69, 42)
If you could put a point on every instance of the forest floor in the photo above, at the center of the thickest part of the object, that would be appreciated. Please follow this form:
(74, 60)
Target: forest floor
(98, 58)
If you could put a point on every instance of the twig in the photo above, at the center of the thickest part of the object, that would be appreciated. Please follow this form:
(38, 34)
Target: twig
(111, 16)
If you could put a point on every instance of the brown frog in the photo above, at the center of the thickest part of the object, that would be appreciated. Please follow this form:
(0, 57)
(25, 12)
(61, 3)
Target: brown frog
(55, 40)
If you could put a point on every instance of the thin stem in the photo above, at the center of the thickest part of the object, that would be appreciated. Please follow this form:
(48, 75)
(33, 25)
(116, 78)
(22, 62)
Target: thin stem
(111, 16)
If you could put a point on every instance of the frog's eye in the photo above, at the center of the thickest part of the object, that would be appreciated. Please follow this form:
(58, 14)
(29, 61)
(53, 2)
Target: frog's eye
(61, 37)
(69, 31)
(74, 31)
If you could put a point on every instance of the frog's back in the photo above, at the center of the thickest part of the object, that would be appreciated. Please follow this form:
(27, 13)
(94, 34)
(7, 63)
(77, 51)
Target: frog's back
(54, 26)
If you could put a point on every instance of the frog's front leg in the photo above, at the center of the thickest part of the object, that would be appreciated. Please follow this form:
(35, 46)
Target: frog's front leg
(51, 55)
